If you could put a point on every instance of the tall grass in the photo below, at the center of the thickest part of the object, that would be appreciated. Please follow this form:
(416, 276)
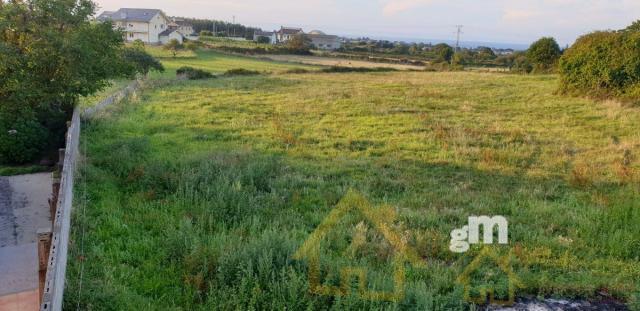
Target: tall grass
(199, 195)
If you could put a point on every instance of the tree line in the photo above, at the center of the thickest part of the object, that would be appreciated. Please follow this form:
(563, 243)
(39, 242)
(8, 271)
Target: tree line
(208, 27)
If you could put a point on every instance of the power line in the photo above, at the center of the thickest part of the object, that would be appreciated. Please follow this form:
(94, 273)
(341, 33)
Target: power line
(458, 33)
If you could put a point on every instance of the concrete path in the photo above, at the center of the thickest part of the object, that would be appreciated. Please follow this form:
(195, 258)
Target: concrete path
(24, 209)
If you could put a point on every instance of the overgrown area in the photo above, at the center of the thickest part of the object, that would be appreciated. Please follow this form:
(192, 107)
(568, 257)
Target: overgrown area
(198, 195)
(604, 64)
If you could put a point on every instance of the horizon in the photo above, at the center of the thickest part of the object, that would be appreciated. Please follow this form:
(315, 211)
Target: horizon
(492, 21)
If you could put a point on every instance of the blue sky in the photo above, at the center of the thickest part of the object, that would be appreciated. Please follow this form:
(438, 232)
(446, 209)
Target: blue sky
(508, 21)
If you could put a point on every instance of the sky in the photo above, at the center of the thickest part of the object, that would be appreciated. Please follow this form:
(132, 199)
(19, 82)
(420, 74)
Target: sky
(500, 21)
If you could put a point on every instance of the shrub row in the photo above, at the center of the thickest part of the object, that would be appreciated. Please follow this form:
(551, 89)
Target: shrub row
(603, 64)
(193, 73)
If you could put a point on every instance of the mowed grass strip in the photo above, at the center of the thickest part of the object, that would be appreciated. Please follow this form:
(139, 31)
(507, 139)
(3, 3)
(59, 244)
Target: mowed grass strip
(216, 62)
(198, 196)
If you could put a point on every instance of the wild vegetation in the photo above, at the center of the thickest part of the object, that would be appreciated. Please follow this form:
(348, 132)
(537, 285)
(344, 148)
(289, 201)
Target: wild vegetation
(604, 64)
(51, 56)
(198, 195)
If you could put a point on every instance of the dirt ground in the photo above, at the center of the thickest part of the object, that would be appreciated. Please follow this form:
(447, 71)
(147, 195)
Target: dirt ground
(330, 61)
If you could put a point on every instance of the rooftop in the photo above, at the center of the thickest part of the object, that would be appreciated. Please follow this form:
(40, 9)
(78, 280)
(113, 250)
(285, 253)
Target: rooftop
(127, 14)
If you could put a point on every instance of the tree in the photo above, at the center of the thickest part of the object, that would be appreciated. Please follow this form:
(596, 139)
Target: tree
(138, 44)
(634, 27)
(299, 43)
(444, 52)
(174, 46)
(544, 54)
(140, 61)
(50, 55)
(485, 54)
(192, 45)
(263, 40)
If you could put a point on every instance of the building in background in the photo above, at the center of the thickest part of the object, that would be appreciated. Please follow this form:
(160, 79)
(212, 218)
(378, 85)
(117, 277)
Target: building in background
(286, 33)
(182, 26)
(322, 41)
(138, 24)
(272, 36)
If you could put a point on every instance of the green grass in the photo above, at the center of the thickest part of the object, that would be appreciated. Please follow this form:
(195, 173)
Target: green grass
(21, 170)
(217, 63)
(198, 195)
(116, 85)
(224, 42)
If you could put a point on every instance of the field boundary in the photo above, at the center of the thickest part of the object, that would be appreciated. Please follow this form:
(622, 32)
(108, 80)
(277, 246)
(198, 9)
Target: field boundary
(52, 294)
(57, 262)
(113, 99)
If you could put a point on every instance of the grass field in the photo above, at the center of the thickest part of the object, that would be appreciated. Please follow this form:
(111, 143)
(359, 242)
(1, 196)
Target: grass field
(215, 62)
(115, 86)
(342, 62)
(198, 195)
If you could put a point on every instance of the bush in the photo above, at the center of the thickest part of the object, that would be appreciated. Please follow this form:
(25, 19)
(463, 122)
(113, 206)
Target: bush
(544, 55)
(438, 66)
(193, 73)
(241, 72)
(521, 64)
(339, 69)
(603, 64)
(263, 40)
(22, 138)
(140, 61)
(297, 71)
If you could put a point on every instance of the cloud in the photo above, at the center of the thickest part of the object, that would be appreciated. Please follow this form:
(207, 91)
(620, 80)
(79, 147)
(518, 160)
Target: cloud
(393, 7)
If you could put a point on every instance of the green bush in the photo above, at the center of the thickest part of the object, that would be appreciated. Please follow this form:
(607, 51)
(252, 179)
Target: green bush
(603, 64)
(140, 61)
(241, 72)
(22, 138)
(340, 69)
(297, 71)
(263, 40)
(544, 55)
(193, 73)
(521, 64)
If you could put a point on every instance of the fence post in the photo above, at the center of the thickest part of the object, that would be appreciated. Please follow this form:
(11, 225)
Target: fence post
(44, 246)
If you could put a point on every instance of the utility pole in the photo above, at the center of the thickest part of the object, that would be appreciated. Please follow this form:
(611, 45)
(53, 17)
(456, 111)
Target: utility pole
(234, 26)
(458, 33)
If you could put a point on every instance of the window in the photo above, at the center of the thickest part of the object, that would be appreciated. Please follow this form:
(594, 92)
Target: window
(131, 25)
(131, 35)
(162, 26)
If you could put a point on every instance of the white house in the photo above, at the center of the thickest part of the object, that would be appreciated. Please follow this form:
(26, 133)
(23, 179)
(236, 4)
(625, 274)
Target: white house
(171, 34)
(182, 26)
(322, 41)
(272, 36)
(285, 33)
(148, 25)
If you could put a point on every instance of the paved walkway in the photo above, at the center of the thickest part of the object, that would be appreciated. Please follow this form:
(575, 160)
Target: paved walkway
(24, 209)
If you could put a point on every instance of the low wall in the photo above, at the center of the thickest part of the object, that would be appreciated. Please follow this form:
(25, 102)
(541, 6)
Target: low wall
(52, 296)
(114, 98)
